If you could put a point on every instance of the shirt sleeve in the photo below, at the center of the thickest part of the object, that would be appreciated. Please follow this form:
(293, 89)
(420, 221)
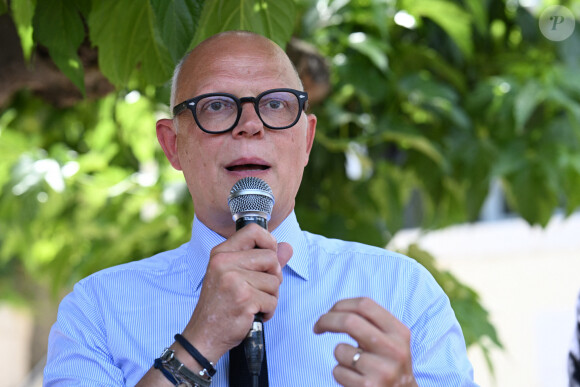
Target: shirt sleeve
(437, 343)
(78, 353)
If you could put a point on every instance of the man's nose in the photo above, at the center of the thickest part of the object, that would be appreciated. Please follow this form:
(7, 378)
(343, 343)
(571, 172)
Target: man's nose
(250, 123)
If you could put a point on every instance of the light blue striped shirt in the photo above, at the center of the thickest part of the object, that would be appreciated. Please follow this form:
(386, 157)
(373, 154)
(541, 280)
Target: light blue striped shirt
(117, 321)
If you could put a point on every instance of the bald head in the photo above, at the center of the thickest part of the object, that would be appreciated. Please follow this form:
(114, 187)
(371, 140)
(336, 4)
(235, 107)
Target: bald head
(227, 46)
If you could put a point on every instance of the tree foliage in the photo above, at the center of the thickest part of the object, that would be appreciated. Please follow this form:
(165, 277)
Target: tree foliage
(470, 94)
(431, 101)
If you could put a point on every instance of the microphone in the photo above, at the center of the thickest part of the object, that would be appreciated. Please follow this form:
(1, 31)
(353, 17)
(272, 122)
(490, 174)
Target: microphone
(251, 201)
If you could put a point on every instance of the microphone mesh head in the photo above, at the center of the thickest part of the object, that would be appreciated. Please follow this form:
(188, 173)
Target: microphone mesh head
(251, 194)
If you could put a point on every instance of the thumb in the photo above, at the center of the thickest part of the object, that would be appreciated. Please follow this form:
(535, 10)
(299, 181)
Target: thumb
(284, 253)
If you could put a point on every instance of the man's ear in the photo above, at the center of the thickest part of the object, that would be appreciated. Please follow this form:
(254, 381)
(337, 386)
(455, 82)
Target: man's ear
(167, 137)
(310, 133)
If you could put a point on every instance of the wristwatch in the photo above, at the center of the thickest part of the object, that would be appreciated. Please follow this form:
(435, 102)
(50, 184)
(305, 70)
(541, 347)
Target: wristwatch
(180, 372)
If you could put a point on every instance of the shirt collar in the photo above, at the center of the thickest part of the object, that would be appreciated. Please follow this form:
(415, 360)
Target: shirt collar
(289, 231)
(203, 240)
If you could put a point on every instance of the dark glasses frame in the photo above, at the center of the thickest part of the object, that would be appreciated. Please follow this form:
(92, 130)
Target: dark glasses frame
(190, 104)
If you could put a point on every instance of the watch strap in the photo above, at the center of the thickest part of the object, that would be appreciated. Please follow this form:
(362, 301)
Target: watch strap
(180, 372)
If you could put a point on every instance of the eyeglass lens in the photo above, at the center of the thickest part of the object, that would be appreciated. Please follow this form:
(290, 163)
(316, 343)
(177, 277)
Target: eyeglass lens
(277, 109)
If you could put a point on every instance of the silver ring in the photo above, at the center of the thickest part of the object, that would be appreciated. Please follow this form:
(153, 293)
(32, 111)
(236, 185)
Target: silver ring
(356, 357)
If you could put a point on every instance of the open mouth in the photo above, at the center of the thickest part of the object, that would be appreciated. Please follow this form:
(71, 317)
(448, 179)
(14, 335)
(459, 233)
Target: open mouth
(247, 167)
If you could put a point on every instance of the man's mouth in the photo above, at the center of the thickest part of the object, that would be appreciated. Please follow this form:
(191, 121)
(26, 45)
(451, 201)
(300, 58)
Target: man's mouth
(247, 167)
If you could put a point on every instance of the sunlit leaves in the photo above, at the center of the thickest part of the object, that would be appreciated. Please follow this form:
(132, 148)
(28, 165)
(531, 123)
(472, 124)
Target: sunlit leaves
(449, 16)
(58, 26)
(532, 181)
(476, 9)
(152, 35)
(126, 35)
(23, 12)
(177, 22)
(372, 48)
(528, 98)
(67, 201)
(454, 119)
(271, 18)
(571, 177)
(390, 189)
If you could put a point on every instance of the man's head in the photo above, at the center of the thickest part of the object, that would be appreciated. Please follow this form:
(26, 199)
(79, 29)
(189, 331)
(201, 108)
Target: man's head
(242, 64)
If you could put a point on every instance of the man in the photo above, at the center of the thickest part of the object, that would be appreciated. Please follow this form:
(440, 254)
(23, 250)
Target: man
(336, 313)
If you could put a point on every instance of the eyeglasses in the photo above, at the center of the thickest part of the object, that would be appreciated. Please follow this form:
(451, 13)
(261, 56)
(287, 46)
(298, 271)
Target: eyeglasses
(221, 112)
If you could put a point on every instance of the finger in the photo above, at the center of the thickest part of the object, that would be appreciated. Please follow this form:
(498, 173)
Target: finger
(284, 253)
(365, 363)
(254, 278)
(345, 355)
(347, 377)
(263, 282)
(363, 332)
(370, 366)
(258, 260)
(267, 283)
(249, 237)
(264, 291)
(265, 304)
(261, 259)
(249, 292)
(393, 343)
(371, 311)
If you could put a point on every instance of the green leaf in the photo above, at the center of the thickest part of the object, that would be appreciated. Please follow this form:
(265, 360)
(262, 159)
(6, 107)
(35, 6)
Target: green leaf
(418, 143)
(368, 84)
(479, 13)
(530, 192)
(177, 23)
(23, 11)
(3, 7)
(372, 48)
(58, 26)
(126, 36)
(428, 58)
(271, 18)
(449, 16)
(568, 79)
(390, 189)
(84, 7)
(556, 95)
(510, 159)
(571, 182)
(529, 97)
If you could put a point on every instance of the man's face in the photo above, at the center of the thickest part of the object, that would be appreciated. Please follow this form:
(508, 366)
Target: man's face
(212, 163)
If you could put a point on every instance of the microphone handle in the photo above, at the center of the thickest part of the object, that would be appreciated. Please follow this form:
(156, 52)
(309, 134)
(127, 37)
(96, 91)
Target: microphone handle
(254, 341)
(247, 219)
